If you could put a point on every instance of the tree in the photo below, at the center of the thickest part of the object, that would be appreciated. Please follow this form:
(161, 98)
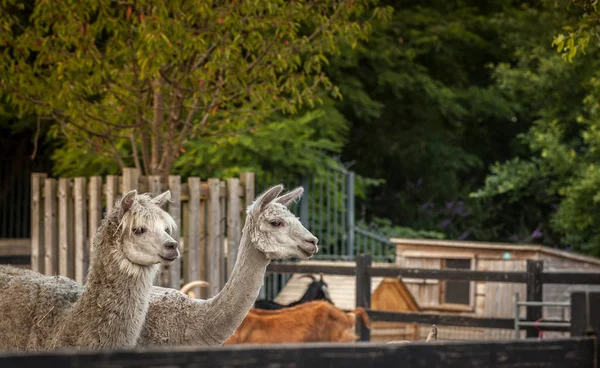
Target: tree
(137, 81)
(556, 180)
(426, 115)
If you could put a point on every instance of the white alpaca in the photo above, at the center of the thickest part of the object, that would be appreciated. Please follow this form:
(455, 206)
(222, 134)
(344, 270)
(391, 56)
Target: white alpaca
(271, 231)
(130, 244)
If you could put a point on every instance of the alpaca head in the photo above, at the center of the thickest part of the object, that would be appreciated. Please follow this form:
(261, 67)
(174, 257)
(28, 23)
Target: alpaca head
(145, 229)
(275, 230)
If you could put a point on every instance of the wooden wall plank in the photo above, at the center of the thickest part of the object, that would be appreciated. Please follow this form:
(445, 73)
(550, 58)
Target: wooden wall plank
(112, 191)
(234, 229)
(192, 243)
(174, 273)
(247, 181)
(222, 233)
(50, 228)
(95, 207)
(214, 243)
(130, 180)
(65, 228)
(204, 292)
(81, 249)
(37, 222)
(155, 188)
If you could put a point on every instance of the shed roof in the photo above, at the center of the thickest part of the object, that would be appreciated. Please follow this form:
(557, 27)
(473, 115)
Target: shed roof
(497, 246)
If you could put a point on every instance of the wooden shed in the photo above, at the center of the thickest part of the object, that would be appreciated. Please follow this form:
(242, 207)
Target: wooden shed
(387, 294)
(485, 299)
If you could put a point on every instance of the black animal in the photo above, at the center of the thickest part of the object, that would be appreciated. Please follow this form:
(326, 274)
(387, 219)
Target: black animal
(317, 290)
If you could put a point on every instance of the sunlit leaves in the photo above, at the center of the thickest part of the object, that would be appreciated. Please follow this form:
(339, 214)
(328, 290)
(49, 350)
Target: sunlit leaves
(93, 66)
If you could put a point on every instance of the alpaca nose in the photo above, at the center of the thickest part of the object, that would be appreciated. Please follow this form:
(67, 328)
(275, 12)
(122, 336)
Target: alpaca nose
(172, 245)
(312, 240)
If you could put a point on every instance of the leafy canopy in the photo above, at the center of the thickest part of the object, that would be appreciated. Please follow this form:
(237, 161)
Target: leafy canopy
(558, 177)
(137, 82)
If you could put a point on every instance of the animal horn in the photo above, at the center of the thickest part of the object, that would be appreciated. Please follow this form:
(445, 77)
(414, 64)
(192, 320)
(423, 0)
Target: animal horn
(190, 285)
(321, 274)
(309, 276)
(432, 334)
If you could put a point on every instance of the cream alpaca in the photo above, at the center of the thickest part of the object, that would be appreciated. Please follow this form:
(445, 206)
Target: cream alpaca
(271, 231)
(109, 313)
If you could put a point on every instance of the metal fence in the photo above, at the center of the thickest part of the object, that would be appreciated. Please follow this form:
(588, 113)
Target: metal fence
(327, 209)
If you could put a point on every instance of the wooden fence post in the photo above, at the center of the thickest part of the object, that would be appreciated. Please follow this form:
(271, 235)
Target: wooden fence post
(130, 180)
(81, 250)
(95, 207)
(154, 187)
(234, 230)
(174, 275)
(580, 323)
(214, 245)
(193, 260)
(247, 180)
(50, 228)
(363, 291)
(37, 222)
(65, 228)
(535, 292)
(585, 313)
(112, 191)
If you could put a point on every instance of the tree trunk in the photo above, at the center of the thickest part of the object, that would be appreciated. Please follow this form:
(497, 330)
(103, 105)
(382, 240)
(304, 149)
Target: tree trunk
(157, 127)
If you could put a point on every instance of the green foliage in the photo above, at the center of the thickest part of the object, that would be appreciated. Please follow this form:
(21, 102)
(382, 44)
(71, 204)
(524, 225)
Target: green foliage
(576, 37)
(295, 145)
(426, 117)
(387, 229)
(138, 82)
(558, 177)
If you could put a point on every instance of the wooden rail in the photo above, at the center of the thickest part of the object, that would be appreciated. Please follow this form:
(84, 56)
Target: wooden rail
(452, 320)
(364, 270)
(559, 353)
(65, 214)
(425, 273)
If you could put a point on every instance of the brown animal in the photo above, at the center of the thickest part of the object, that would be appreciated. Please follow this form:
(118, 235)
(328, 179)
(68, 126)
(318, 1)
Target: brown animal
(316, 321)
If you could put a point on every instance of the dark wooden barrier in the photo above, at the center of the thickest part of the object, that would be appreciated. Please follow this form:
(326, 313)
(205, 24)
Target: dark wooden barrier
(364, 270)
(585, 313)
(563, 353)
(15, 251)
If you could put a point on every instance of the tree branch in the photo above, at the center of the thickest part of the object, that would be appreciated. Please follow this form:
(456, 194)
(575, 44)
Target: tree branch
(157, 124)
(134, 152)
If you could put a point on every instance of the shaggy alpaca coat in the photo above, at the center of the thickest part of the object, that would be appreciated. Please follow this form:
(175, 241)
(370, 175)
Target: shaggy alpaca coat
(174, 318)
(56, 312)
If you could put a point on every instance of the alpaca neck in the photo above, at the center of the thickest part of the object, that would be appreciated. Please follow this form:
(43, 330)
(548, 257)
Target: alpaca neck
(113, 305)
(225, 311)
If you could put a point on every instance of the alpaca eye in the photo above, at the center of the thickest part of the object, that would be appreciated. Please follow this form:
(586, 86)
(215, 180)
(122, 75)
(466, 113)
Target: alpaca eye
(139, 230)
(275, 223)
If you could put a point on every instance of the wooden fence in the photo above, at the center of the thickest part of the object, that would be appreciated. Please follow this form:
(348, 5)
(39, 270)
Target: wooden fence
(579, 352)
(65, 214)
(364, 270)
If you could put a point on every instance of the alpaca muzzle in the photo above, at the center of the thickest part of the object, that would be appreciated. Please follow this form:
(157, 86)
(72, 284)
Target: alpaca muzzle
(170, 251)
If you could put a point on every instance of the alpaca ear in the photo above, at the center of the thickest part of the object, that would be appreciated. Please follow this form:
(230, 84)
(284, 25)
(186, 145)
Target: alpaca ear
(163, 198)
(264, 199)
(127, 202)
(288, 198)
